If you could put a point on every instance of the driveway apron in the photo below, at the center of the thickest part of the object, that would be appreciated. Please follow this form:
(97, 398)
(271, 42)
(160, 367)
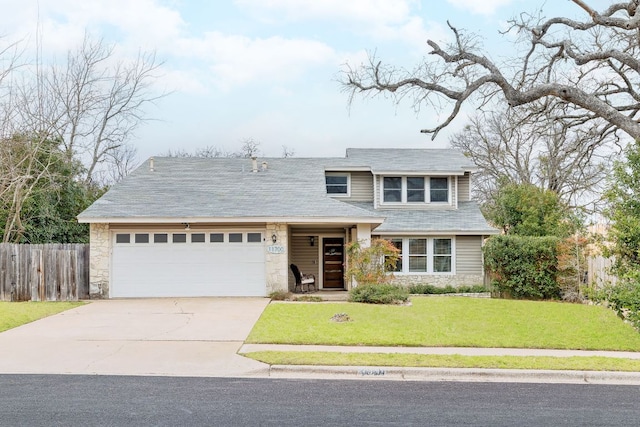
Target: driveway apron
(171, 336)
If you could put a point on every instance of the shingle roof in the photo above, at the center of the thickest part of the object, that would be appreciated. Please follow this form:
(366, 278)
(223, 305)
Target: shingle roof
(410, 160)
(466, 219)
(223, 188)
(182, 188)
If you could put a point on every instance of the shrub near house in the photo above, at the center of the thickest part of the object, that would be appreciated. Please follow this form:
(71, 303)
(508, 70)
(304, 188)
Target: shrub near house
(369, 267)
(531, 259)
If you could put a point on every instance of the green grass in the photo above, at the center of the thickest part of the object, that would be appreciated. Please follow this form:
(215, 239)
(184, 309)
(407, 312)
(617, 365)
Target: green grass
(578, 363)
(449, 322)
(14, 314)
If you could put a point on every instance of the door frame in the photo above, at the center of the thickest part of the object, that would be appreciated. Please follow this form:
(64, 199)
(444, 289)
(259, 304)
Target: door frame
(321, 259)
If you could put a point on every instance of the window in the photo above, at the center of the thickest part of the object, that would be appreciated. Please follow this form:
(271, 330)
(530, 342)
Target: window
(337, 183)
(235, 237)
(392, 189)
(160, 238)
(398, 245)
(141, 238)
(424, 255)
(439, 190)
(442, 255)
(418, 255)
(123, 238)
(415, 189)
(216, 238)
(254, 237)
(197, 238)
(179, 238)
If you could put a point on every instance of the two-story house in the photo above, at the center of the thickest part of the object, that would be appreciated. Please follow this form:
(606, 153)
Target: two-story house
(231, 227)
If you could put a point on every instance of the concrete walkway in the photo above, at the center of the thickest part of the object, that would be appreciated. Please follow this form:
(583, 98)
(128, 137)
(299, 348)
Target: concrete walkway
(170, 336)
(449, 374)
(464, 351)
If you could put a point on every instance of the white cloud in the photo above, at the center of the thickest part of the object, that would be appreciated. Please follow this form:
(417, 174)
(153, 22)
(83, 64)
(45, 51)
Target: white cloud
(387, 20)
(62, 23)
(237, 60)
(482, 7)
(375, 12)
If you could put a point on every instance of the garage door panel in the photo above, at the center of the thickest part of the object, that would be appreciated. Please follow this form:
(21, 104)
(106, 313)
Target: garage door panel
(188, 269)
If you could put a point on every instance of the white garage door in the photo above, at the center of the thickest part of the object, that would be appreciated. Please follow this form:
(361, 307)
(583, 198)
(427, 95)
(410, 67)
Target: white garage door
(187, 264)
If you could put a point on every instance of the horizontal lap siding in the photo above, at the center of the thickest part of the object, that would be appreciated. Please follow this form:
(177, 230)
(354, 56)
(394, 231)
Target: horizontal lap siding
(469, 255)
(361, 186)
(304, 256)
(464, 184)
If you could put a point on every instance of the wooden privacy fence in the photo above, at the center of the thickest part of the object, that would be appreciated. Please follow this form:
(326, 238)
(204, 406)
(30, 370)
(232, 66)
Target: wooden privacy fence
(49, 272)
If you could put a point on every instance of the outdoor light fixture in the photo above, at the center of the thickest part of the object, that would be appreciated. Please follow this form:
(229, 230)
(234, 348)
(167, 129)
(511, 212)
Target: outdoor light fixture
(312, 240)
(274, 238)
(186, 226)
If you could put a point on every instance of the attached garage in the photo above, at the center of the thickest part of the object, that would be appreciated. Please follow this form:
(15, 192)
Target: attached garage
(157, 263)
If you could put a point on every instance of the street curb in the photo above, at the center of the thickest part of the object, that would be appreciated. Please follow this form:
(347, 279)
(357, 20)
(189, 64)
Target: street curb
(454, 374)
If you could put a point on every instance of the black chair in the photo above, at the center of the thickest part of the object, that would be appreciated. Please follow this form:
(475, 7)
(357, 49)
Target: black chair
(302, 279)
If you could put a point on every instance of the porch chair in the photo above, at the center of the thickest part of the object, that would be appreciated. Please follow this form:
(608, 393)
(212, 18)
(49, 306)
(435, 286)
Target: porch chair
(302, 279)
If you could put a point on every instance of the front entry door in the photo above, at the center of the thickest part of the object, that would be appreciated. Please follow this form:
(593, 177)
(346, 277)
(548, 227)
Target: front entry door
(333, 262)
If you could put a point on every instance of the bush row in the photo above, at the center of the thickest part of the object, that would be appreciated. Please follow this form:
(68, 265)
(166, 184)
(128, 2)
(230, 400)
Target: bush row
(425, 289)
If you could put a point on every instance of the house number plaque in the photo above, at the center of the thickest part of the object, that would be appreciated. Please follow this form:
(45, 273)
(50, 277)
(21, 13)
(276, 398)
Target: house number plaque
(275, 249)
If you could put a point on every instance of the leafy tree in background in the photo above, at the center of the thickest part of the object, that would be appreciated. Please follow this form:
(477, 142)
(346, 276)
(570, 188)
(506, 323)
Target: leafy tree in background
(623, 239)
(624, 213)
(41, 192)
(526, 210)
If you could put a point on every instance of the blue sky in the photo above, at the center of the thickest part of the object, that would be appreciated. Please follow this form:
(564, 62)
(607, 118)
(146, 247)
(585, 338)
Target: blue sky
(267, 69)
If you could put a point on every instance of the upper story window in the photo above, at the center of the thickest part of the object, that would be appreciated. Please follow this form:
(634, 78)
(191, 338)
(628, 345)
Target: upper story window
(439, 189)
(337, 183)
(415, 189)
(392, 189)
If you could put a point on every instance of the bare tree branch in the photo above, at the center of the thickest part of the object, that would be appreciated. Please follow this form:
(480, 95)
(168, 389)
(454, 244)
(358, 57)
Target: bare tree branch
(592, 65)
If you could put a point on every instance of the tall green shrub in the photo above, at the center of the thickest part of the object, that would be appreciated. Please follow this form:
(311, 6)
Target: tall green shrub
(623, 197)
(527, 210)
(523, 266)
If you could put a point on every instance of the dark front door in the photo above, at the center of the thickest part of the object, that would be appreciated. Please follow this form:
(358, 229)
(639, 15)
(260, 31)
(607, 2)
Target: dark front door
(333, 262)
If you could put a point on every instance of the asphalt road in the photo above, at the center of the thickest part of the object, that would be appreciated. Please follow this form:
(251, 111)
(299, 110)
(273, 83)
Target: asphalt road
(39, 400)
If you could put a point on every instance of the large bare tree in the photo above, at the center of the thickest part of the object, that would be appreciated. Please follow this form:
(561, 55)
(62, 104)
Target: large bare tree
(99, 102)
(534, 146)
(75, 117)
(591, 65)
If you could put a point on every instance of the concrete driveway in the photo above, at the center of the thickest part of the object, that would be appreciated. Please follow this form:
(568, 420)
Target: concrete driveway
(171, 336)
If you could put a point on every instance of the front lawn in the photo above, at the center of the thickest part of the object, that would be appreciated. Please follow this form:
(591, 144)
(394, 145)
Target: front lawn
(14, 314)
(448, 322)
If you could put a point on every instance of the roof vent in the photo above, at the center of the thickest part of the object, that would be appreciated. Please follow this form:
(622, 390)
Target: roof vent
(254, 164)
(151, 162)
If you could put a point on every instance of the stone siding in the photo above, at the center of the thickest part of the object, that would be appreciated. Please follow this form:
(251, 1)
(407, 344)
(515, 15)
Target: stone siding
(99, 252)
(439, 280)
(277, 265)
